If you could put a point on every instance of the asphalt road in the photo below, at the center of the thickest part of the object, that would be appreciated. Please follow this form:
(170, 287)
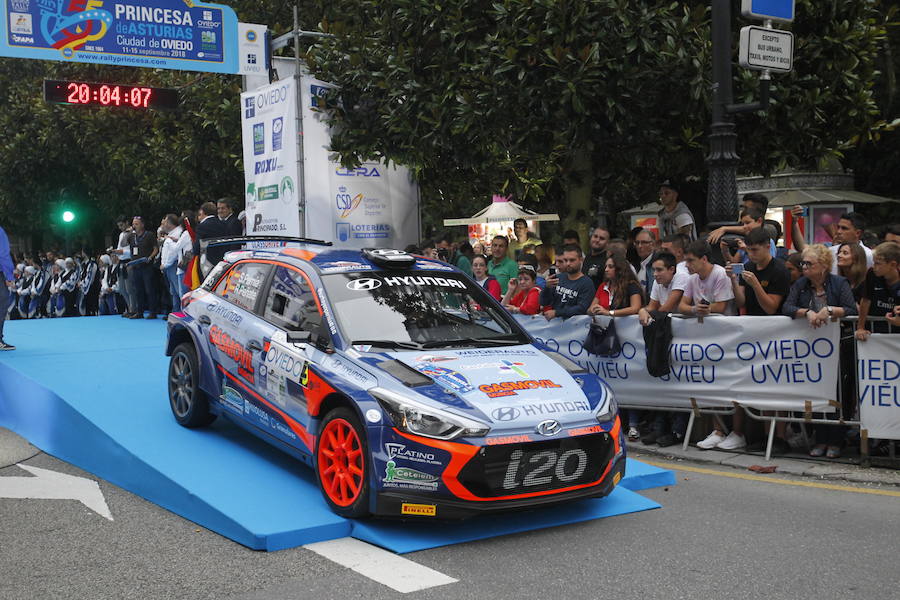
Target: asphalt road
(715, 537)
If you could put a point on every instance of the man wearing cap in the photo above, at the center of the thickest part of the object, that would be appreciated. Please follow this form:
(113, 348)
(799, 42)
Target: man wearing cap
(6, 266)
(674, 216)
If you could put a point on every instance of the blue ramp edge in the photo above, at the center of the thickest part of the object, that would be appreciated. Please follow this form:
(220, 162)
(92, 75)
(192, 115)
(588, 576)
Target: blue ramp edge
(92, 391)
(402, 538)
(641, 476)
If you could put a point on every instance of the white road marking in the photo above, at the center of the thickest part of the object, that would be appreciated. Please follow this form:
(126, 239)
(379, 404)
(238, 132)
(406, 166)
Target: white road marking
(385, 567)
(52, 485)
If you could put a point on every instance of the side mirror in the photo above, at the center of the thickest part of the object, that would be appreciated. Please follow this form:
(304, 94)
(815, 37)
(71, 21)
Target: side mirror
(299, 337)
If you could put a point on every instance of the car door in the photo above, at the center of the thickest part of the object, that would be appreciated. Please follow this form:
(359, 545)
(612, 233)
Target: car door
(236, 334)
(291, 381)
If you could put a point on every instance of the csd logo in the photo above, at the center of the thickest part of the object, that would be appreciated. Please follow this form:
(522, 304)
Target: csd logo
(363, 285)
(506, 413)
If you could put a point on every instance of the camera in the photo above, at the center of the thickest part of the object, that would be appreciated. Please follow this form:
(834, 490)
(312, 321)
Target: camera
(443, 254)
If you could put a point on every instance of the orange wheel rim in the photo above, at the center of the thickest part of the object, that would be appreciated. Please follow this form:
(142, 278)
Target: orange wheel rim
(341, 463)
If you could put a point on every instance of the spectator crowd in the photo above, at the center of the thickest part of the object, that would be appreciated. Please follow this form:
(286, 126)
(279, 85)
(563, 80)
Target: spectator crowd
(140, 277)
(740, 269)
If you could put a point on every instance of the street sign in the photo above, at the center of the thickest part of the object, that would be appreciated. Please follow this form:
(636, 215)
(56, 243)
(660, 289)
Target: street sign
(779, 10)
(762, 48)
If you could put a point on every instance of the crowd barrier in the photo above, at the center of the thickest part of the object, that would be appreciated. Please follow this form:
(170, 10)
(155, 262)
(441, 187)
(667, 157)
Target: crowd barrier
(771, 366)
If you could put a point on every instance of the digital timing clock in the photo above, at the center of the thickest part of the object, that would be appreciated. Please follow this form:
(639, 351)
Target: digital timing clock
(109, 94)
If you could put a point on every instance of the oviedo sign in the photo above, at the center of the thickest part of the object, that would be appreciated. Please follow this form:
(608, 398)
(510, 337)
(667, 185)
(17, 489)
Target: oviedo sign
(159, 34)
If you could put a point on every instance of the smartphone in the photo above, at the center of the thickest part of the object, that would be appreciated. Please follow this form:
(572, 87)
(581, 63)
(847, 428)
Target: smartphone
(805, 212)
(704, 301)
(737, 268)
(552, 271)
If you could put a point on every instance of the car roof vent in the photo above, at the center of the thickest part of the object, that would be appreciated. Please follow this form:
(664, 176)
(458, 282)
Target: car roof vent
(389, 258)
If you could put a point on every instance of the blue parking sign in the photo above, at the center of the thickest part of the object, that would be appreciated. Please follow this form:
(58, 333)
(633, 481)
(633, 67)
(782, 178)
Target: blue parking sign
(779, 10)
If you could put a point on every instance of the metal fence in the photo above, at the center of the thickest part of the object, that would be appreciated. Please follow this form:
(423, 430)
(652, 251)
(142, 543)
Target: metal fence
(807, 418)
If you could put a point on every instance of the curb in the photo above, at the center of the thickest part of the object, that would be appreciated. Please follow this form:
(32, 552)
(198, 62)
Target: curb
(786, 465)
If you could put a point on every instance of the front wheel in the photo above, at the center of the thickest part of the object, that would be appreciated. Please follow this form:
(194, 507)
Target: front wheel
(187, 401)
(341, 463)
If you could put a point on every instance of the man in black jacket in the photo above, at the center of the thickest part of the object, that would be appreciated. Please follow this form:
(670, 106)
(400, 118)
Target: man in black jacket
(230, 223)
(209, 226)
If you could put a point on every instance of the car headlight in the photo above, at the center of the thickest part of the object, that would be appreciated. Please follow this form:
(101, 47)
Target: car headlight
(414, 417)
(609, 408)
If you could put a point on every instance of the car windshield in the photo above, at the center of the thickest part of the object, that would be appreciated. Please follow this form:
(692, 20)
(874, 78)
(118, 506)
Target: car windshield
(418, 309)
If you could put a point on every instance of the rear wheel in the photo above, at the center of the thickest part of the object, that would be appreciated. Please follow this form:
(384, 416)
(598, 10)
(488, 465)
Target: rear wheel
(341, 463)
(188, 402)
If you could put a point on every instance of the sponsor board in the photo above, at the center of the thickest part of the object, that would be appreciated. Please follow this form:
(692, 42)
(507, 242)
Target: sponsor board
(423, 510)
(498, 352)
(367, 284)
(232, 398)
(343, 265)
(349, 371)
(507, 439)
(512, 388)
(282, 362)
(225, 312)
(395, 450)
(445, 377)
(251, 409)
(395, 476)
(233, 350)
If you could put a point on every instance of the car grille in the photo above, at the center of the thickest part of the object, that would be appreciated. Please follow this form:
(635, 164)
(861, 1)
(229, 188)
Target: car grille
(516, 469)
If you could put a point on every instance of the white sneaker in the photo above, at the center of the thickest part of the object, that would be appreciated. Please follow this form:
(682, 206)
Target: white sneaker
(734, 441)
(712, 440)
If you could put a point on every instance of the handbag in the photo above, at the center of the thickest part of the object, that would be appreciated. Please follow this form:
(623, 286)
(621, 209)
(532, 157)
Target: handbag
(602, 340)
(185, 260)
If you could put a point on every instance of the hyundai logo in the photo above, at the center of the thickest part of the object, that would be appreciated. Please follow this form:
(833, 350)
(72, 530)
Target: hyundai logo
(506, 413)
(363, 285)
(548, 427)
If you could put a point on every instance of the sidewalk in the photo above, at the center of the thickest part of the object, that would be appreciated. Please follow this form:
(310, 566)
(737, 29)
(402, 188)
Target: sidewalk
(792, 464)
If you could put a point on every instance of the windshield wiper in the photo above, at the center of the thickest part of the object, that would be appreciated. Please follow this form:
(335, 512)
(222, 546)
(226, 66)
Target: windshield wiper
(498, 341)
(388, 344)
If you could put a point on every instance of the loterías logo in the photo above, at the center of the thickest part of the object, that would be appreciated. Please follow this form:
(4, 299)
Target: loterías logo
(67, 26)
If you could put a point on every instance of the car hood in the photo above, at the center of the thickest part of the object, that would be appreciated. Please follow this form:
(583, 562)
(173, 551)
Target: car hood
(513, 386)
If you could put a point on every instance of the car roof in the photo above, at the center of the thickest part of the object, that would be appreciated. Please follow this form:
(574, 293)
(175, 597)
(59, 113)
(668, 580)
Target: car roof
(333, 260)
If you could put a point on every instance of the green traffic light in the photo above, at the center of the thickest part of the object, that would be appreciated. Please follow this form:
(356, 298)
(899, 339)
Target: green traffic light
(68, 216)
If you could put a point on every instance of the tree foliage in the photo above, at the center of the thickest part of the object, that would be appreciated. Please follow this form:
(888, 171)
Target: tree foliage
(561, 100)
(556, 101)
(108, 161)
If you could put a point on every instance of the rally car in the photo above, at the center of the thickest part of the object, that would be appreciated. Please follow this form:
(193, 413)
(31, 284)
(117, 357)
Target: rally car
(409, 390)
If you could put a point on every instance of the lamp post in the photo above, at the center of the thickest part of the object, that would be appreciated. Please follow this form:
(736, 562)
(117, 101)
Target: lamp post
(722, 160)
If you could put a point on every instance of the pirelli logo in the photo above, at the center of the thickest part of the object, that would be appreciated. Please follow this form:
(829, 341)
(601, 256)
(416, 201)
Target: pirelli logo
(422, 510)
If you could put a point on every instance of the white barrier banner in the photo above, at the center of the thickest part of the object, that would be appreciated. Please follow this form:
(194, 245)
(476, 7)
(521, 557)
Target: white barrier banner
(879, 385)
(270, 159)
(768, 363)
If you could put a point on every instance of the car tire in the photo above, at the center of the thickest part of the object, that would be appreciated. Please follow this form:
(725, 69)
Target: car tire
(188, 402)
(342, 463)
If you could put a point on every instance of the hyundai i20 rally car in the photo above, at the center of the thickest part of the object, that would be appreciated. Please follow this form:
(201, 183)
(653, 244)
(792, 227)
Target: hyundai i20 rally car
(409, 390)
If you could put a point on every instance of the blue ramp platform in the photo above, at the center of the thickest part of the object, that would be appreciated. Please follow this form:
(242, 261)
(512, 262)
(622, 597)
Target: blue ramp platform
(92, 391)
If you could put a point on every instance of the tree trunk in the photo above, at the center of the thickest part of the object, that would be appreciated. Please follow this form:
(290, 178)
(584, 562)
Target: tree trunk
(580, 183)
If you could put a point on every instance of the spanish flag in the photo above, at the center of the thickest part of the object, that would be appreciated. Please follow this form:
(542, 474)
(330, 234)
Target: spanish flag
(192, 278)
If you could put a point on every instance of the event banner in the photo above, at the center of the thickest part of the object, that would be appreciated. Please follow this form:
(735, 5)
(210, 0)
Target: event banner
(374, 204)
(878, 380)
(159, 34)
(269, 132)
(768, 363)
(363, 211)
